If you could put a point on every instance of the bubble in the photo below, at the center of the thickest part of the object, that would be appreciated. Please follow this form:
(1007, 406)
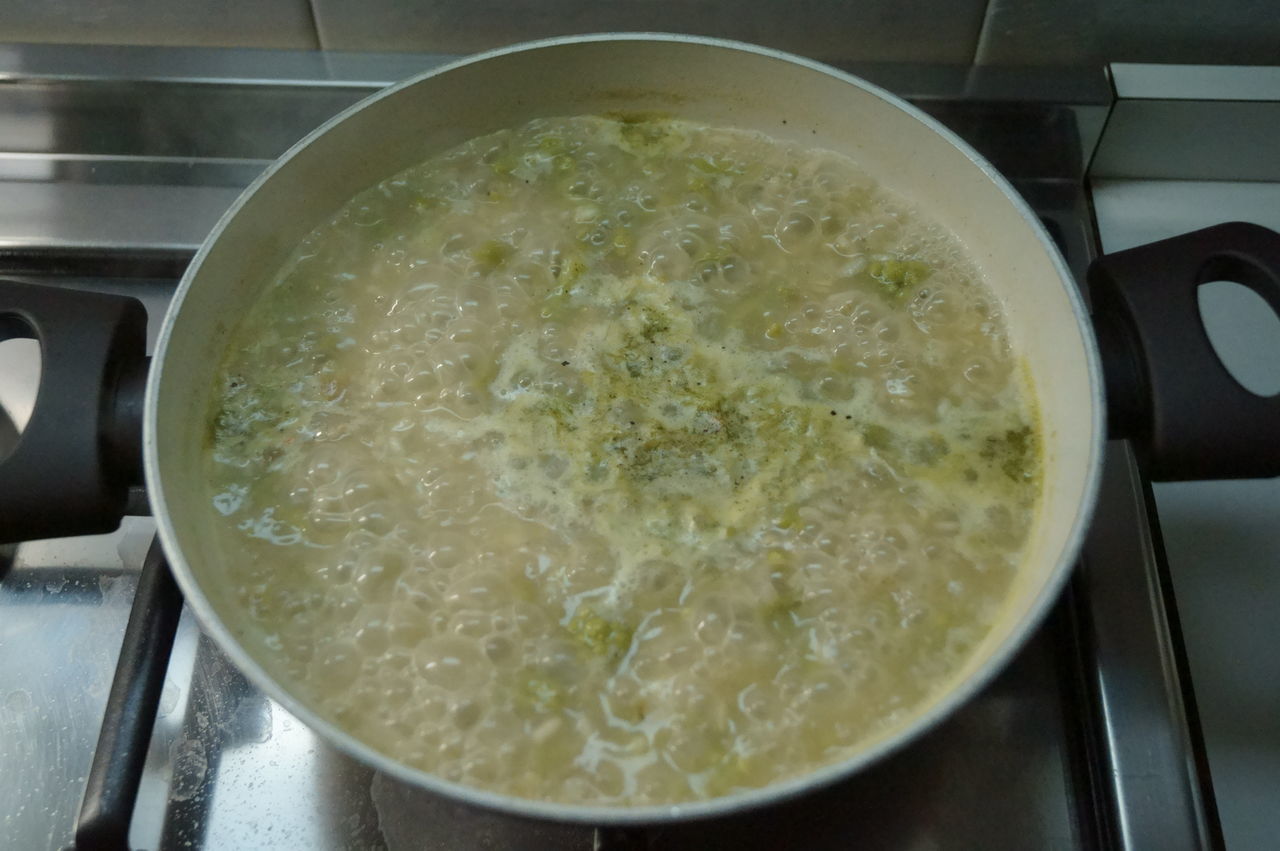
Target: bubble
(449, 664)
(795, 230)
(338, 663)
(499, 649)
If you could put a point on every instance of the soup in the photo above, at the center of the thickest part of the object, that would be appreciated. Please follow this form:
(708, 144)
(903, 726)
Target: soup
(622, 461)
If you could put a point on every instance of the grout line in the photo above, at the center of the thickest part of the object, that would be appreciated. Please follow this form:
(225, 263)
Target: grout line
(315, 24)
(984, 33)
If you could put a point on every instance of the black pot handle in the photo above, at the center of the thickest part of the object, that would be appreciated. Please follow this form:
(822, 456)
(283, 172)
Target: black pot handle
(1166, 387)
(81, 451)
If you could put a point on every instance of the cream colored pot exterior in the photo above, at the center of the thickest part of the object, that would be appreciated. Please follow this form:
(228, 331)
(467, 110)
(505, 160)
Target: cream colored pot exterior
(706, 80)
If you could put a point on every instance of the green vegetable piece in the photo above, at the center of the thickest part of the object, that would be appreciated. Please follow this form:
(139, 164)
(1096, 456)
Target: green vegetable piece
(1019, 440)
(551, 144)
(634, 116)
(1014, 453)
(545, 694)
(877, 437)
(644, 136)
(505, 164)
(654, 326)
(929, 450)
(897, 276)
(568, 274)
(492, 254)
(622, 241)
(423, 202)
(714, 164)
(601, 636)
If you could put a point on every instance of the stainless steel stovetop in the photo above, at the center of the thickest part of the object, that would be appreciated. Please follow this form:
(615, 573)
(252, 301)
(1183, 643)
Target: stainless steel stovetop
(1088, 740)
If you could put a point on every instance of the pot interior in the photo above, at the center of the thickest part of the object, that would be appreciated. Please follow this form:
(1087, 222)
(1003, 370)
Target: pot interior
(711, 82)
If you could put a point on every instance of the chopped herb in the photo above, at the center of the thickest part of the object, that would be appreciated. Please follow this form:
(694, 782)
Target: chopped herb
(601, 636)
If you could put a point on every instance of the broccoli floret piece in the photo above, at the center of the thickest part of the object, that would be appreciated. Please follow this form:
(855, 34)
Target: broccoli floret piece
(897, 276)
(601, 636)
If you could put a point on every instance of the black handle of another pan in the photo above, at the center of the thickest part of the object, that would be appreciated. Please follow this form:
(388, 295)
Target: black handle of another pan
(1166, 387)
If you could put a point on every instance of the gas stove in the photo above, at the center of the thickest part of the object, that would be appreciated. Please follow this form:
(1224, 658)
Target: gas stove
(114, 165)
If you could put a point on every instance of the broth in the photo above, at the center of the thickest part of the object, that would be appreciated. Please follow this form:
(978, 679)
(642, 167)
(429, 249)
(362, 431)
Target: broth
(622, 461)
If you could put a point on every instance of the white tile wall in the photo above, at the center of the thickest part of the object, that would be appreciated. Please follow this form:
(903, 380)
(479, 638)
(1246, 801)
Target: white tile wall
(210, 23)
(1005, 32)
(868, 30)
(1039, 32)
(1223, 32)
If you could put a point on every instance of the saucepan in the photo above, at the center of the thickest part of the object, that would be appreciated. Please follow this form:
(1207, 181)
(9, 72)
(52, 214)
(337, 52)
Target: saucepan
(1140, 367)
